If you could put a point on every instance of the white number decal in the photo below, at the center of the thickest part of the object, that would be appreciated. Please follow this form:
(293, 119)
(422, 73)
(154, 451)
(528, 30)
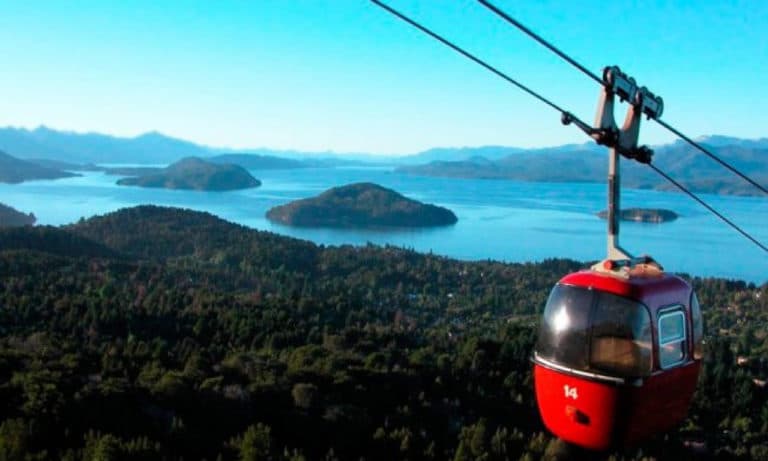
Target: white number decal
(571, 392)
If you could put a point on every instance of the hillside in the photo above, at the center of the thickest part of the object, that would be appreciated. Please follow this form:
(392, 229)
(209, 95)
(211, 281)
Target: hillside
(13, 170)
(361, 205)
(298, 351)
(53, 241)
(179, 233)
(10, 217)
(196, 174)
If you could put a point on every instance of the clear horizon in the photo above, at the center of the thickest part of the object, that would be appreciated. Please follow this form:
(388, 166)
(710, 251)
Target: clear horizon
(344, 76)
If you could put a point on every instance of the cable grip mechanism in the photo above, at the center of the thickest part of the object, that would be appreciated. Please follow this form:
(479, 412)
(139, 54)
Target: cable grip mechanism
(641, 102)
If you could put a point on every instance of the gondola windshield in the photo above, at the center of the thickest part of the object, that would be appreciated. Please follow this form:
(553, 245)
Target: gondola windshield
(596, 332)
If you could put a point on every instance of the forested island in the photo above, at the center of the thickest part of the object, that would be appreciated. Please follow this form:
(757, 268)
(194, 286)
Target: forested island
(160, 333)
(10, 217)
(196, 174)
(647, 215)
(361, 205)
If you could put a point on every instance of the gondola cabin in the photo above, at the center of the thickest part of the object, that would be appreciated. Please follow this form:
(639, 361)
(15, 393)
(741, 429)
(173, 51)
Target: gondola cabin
(618, 354)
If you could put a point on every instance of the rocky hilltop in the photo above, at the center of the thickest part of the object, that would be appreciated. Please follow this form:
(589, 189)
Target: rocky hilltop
(196, 174)
(361, 205)
(650, 215)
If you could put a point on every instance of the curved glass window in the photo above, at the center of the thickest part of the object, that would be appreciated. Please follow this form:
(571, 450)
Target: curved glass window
(594, 331)
(621, 336)
(672, 340)
(564, 330)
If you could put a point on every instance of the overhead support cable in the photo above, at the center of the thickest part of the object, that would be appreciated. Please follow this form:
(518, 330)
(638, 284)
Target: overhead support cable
(594, 77)
(541, 40)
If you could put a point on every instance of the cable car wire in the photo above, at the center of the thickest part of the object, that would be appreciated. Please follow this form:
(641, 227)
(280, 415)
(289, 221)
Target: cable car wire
(705, 205)
(541, 40)
(567, 117)
(594, 77)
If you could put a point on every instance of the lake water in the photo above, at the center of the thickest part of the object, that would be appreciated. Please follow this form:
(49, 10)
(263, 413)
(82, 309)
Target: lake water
(500, 220)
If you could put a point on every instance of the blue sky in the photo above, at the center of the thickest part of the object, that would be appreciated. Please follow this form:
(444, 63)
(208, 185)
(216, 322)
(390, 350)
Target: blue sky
(343, 75)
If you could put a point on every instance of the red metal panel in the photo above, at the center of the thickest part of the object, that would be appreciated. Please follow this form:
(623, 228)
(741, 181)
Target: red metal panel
(600, 416)
(577, 410)
(662, 402)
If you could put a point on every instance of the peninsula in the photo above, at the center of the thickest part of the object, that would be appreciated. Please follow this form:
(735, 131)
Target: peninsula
(361, 205)
(14, 170)
(195, 174)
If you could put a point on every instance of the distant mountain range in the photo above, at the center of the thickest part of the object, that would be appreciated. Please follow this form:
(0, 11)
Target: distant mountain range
(453, 154)
(149, 148)
(575, 162)
(46, 143)
(683, 162)
(720, 141)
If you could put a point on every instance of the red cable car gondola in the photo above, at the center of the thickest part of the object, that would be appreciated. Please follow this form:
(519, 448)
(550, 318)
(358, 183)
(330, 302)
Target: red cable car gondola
(619, 346)
(618, 355)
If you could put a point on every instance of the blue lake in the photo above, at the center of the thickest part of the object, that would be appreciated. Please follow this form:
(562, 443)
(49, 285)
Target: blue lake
(500, 220)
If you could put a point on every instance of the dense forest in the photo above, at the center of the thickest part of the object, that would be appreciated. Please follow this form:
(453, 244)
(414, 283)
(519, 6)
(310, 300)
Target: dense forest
(159, 333)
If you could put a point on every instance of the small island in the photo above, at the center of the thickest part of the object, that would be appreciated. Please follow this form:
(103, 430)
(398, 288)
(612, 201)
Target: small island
(647, 215)
(361, 205)
(9, 217)
(193, 173)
